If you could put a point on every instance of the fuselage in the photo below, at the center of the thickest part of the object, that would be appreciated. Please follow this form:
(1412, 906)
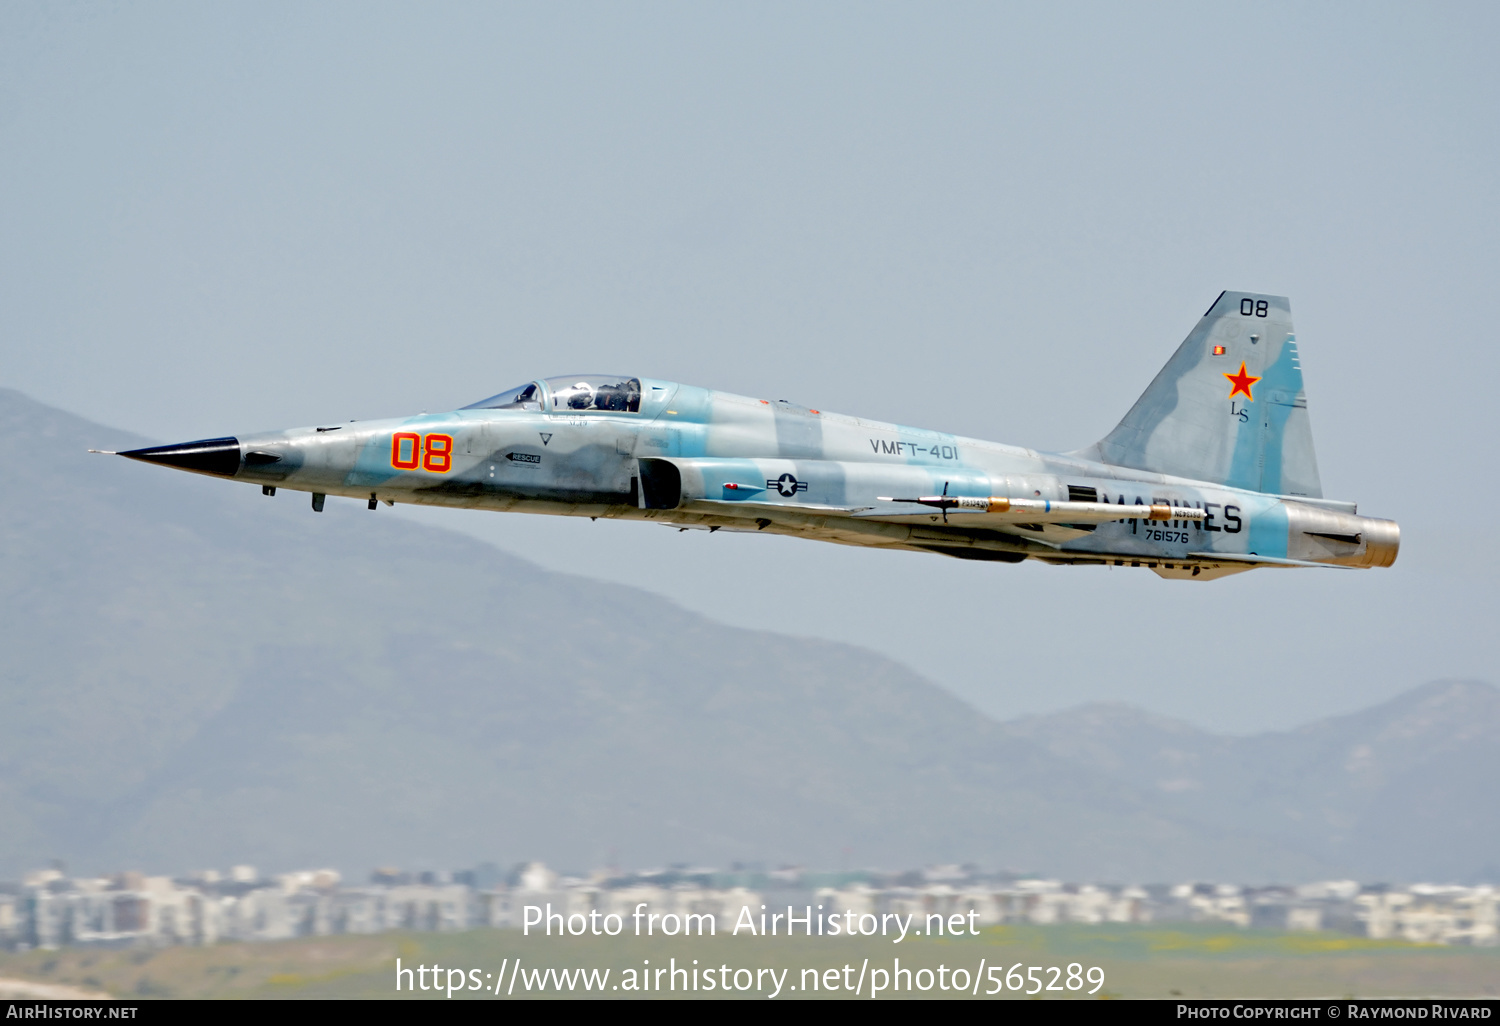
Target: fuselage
(640, 449)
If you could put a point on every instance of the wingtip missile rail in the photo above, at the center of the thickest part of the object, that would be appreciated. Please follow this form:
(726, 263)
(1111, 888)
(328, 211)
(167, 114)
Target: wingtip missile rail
(1062, 512)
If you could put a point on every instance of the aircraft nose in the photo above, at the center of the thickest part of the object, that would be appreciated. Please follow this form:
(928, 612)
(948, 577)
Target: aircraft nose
(206, 456)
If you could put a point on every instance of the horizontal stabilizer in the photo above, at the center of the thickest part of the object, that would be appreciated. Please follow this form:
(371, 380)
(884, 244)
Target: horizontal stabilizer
(1252, 558)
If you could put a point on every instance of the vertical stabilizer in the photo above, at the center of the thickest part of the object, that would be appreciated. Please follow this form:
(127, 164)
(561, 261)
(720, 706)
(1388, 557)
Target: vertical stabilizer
(1228, 407)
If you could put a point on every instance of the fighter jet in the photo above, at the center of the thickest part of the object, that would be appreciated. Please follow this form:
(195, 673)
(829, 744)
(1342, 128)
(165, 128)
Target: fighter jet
(1211, 472)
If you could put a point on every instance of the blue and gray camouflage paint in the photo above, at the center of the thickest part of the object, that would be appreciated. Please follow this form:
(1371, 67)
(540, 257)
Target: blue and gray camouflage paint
(1211, 472)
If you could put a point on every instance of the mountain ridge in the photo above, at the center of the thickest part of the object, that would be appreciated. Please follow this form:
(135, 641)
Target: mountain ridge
(195, 675)
(1436, 743)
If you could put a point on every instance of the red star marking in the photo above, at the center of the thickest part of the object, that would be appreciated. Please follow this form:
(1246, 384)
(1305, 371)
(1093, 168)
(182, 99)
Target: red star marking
(1242, 383)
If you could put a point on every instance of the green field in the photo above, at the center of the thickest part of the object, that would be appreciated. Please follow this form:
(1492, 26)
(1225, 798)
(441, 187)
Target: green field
(1137, 962)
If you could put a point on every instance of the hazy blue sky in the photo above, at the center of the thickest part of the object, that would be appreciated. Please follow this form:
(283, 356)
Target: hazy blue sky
(995, 220)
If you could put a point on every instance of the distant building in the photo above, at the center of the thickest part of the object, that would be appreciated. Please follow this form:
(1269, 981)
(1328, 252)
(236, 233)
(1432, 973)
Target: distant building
(50, 910)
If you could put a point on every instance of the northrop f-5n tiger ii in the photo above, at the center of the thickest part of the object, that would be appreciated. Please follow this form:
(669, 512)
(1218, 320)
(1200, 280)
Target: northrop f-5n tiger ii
(1211, 472)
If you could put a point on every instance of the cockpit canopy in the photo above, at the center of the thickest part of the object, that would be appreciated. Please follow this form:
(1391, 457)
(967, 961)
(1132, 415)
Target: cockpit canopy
(522, 397)
(595, 392)
(576, 393)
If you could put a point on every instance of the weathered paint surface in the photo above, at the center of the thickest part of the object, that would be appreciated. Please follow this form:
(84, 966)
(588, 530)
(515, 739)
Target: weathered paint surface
(1223, 429)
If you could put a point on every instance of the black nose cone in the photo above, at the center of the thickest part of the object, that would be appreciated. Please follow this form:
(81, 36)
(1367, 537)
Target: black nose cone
(209, 456)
